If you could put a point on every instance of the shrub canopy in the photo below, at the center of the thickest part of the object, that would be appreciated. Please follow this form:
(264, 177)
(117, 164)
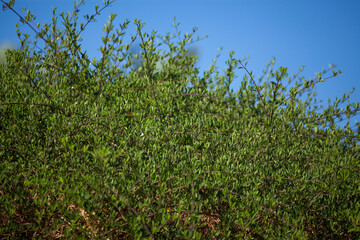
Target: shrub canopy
(100, 149)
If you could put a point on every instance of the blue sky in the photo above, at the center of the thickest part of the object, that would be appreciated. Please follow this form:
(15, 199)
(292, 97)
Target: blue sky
(296, 32)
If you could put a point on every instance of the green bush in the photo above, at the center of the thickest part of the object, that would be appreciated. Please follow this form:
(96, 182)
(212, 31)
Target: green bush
(99, 149)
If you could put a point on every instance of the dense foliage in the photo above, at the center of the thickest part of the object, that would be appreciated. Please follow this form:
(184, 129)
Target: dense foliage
(99, 149)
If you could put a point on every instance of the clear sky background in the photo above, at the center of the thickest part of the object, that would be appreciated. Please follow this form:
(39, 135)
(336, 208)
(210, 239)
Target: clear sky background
(314, 33)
